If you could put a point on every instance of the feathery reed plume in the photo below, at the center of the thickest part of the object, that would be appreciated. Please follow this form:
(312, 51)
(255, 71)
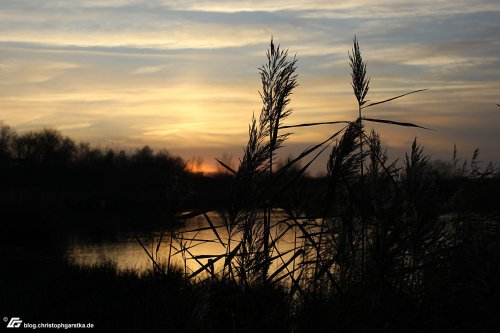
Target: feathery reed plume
(278, 81)
(360, 84)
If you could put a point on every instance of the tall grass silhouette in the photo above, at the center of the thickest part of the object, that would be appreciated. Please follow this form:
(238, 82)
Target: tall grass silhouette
(374, 245)
(331, 249)
(378, 239)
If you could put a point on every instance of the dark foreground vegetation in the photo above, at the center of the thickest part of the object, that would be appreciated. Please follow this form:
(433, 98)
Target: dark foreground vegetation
(379, 246)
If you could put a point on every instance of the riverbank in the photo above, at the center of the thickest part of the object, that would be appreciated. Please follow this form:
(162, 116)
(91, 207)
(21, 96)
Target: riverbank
(54, 291)
(126, 301)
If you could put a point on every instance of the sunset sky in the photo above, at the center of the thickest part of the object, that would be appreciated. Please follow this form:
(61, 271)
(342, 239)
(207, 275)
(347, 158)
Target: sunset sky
(182, 75)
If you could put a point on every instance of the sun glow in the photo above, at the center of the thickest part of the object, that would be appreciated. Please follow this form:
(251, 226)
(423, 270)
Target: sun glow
(186, 76)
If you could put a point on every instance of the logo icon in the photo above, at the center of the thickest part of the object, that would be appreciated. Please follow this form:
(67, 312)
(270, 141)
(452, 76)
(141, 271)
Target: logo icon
(14, 322)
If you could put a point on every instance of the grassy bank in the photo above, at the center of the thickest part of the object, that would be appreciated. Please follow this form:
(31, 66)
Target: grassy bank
(462, 297)
(51, 291)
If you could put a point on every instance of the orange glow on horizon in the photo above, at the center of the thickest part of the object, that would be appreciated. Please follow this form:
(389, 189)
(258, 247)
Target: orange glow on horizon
(197, 165)
(190, 83)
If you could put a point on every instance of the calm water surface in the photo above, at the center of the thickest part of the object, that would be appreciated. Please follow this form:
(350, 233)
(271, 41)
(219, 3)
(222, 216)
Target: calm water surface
(127, 254)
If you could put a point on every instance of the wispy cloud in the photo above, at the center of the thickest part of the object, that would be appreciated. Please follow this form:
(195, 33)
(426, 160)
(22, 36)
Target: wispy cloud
(183, 73)
(33, 71)
(149, 69)
(75, 126)
(342, 10)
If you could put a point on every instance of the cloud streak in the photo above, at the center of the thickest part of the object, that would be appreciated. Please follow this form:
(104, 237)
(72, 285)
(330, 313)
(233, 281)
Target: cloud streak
(183, 74)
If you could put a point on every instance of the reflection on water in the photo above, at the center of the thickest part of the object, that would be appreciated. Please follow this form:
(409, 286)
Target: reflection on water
(126, 253)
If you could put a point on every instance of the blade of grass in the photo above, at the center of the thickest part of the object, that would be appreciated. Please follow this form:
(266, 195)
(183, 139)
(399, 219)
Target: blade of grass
(197, 240)
(259, 266)
(205, 267)
(214, 229)
(280, 235)
(385, 121)
(393, 98)
(314, 124)
(205, 256)
(155, 264)
(198, 229)
(308, 151)
(231, 254)
(227, 167)
(285, 265)
(194, 214)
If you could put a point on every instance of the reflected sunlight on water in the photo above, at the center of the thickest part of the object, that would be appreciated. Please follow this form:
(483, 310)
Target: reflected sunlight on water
(126, 253)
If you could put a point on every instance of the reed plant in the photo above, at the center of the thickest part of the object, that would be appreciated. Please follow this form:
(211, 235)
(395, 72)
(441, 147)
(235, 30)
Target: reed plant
(257, 191)
(378, 238)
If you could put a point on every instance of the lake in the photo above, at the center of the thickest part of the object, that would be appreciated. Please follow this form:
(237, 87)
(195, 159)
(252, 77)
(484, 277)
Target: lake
(126, 252)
